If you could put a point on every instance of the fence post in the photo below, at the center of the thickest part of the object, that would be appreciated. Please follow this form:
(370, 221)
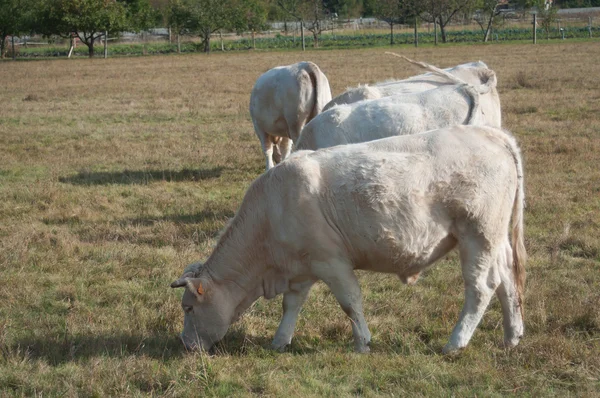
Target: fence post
(534, 28)
(302, 34)
(416, 34)
(590, 26)
(105, 44)
(14, 56)
(435, 30)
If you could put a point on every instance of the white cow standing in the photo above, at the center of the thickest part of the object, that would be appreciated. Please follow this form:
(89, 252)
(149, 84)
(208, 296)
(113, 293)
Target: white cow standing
(283, 100)
(402, 114)
(394, 205)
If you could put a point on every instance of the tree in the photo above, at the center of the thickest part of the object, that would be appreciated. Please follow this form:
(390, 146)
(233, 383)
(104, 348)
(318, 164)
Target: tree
(294, 9)
(141, 15)
(441, 12)
(178, 17)
(395, 12)
(487, 12)
(203, 17)
(87, 20)
(252, 15)
(313, 11)
(547, 14)
(316, 14)
(14, 20)
(345, 8)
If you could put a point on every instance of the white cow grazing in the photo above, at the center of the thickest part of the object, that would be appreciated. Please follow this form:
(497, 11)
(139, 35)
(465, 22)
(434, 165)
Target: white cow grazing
(394, 205)
(283, 100)
(370, 120)
(474, 73)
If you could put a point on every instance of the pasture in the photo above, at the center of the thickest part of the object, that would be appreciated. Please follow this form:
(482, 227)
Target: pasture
(115, 174)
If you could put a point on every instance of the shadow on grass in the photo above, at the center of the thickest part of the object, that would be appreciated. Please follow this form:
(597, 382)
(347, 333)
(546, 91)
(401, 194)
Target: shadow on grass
(140, 177)
(195, 218)
(58, 350)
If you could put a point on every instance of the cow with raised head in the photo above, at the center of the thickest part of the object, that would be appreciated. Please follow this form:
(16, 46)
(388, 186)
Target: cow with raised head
(282, 101)
(395, 205)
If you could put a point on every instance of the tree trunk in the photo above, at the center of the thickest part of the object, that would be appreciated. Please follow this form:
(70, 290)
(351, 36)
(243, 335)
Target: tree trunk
(315, 39)
(435, 31)
(2, 46)
(207, 44)
(443, 32)
(253, 40)
(90, 45)
(391, 33)
(14, 54)
(487, 31)
(178, 43)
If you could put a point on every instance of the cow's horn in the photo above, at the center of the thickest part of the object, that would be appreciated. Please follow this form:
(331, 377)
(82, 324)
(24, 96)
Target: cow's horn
(179, 283)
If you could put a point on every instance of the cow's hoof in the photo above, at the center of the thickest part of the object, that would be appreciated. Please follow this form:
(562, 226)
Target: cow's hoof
(451, 350)
(280, 346)
(363, 349)
(512, 342)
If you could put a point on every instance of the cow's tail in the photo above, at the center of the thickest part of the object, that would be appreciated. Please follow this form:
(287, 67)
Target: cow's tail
(488, 76)
(517, 229)
(474, 104)
(517, 233)
(321, 88)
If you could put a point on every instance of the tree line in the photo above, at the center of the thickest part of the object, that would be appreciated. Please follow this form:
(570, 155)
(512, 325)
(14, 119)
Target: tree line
(89, 20)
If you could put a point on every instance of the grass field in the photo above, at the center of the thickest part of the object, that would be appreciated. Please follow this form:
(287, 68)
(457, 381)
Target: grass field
(115, 174)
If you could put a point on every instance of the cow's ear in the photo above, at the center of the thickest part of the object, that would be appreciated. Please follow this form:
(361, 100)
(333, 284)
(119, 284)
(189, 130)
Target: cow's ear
(194, 285)
(182, 281)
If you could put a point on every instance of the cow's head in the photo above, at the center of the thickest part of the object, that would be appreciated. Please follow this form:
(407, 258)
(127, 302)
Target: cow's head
(206, 315)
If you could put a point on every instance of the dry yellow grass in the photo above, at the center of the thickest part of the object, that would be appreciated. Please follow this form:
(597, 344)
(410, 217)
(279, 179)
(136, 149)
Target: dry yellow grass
(116, 173)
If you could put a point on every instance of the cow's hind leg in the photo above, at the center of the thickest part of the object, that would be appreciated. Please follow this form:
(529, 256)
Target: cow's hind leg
(285, 146)
(509, 299)
(292, 303)
(481, 280)
(266, 142)
(343, 284)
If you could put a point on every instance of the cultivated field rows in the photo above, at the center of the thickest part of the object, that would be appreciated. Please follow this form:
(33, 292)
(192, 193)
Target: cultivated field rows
(115, 174)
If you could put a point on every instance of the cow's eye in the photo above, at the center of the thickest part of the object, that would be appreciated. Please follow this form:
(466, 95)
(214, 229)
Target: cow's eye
(187, 309)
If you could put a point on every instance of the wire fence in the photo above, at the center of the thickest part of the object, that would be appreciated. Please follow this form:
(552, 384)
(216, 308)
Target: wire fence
(362, 32)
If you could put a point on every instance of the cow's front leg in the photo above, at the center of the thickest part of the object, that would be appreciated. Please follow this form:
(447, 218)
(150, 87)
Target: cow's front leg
(292, 303)
(343, 284)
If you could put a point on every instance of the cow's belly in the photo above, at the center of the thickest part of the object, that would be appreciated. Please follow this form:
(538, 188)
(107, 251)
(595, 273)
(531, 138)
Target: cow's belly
(403, 252)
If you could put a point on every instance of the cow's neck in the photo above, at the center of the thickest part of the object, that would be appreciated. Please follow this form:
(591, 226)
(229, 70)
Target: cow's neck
(242, 262)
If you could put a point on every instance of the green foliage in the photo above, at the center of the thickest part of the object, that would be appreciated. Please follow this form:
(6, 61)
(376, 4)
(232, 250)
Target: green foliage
(345, 8)
(204, 17)
(141, 15)
(251, 15)
(15, 18)
(89, 19)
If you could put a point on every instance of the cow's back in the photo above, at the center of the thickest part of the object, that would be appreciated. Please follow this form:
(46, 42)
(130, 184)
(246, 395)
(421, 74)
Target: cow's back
(389, 116)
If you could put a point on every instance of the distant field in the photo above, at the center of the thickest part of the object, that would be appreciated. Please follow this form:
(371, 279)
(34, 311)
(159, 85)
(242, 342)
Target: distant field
(114, 174)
